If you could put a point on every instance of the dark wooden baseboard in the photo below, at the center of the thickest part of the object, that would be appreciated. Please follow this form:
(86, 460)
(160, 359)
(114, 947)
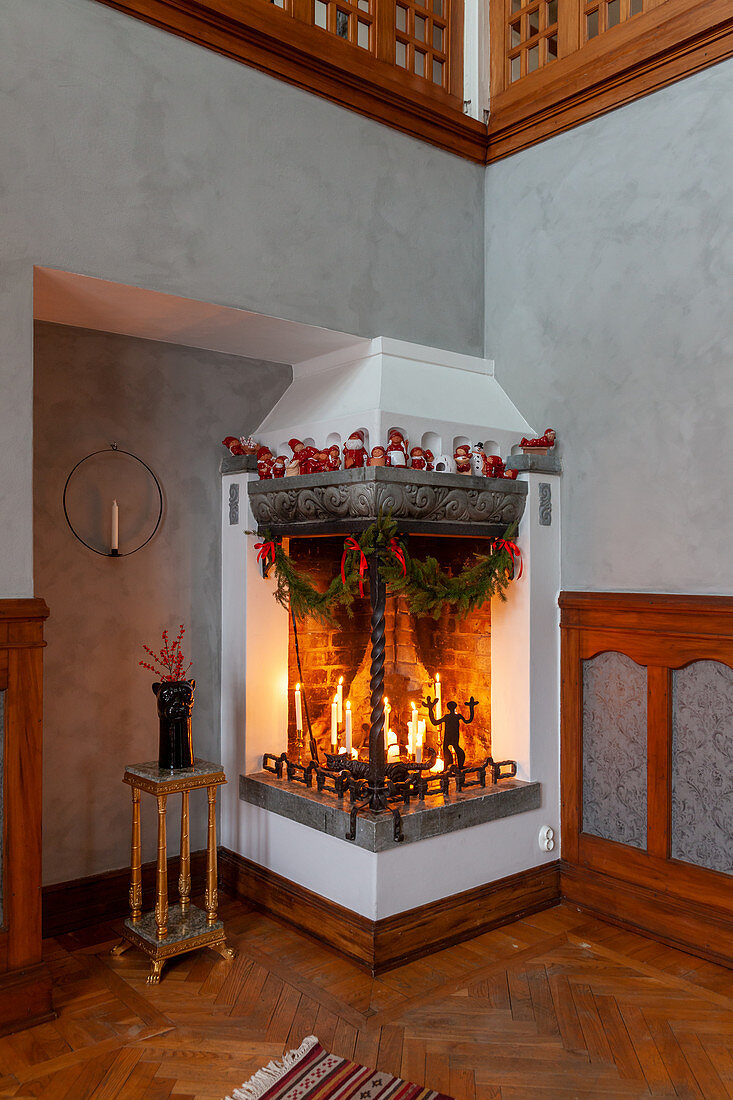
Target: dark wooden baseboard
(694, 926)
(85, 901)
(25, 998)
(383, 944)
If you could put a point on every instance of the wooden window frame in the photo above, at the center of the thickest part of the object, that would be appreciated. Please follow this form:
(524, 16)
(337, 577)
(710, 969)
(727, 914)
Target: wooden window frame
(285, 43)
(671, 40)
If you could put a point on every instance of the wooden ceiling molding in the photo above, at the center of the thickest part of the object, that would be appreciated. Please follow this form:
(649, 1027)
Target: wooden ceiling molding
(668, 40)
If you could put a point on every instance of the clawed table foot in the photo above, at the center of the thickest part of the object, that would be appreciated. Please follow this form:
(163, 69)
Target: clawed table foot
(120, 948)
(224, 950)
(156, 967)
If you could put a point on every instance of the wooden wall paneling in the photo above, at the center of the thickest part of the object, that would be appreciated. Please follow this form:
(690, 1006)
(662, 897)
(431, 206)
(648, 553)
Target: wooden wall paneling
(659, 761)
(571, 746)
(678, 902)
(25, 984)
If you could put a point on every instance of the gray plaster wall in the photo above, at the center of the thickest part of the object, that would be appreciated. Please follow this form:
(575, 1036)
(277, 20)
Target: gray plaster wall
(609, 293)
(132, 155)
(171, 406)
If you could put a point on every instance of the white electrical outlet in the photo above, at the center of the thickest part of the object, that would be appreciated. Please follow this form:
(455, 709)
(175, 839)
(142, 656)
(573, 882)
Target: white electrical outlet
(547, 838)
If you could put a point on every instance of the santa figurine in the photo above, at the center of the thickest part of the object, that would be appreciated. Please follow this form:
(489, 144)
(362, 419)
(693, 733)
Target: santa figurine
(355, 453)
(264, 463)
(493, 466)
(334, 457)
(429, 459)
(233, 444)
(417, 459)
(278, 466)
(319, 463)
(511, 474)
(462, 459)
(397, 449)
(542, 444)
(304, 455)
(378, 457)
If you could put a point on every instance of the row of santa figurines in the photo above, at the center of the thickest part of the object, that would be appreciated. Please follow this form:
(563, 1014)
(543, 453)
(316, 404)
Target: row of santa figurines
(397, 453)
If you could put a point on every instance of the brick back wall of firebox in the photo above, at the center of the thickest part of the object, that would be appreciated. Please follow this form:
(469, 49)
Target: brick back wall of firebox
(417, 648)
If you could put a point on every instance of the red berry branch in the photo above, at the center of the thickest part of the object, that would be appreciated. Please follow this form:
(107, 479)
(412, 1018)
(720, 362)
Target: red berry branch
(170, 659)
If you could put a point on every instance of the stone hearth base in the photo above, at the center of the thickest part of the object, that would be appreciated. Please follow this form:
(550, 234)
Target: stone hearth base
(374, 832)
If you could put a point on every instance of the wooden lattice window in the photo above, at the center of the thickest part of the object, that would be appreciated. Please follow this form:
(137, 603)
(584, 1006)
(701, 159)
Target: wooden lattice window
(350, 20)
(600, 17)
(421, 39)
(531, 36)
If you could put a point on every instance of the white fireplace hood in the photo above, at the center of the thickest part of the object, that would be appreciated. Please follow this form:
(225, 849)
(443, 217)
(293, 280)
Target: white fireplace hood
(437, 398)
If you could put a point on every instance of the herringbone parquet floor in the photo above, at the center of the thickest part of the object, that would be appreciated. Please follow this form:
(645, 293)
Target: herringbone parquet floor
(556, 1005)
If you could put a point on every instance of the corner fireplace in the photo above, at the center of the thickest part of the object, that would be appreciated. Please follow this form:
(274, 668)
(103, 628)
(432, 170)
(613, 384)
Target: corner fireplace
(504, 655)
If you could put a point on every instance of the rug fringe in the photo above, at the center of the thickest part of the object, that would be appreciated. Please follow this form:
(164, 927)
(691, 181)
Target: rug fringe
(268, 1076)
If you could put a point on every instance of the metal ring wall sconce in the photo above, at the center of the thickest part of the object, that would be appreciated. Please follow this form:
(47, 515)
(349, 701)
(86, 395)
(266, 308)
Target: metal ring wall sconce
(113, 553)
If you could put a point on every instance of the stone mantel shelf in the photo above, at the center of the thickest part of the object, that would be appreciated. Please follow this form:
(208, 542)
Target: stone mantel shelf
(374, 832)
(346, 501)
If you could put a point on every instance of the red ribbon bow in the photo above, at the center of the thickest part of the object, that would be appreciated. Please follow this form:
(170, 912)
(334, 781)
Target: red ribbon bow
(399, 553)
(349, 545)
(265, 550)
(514, 553)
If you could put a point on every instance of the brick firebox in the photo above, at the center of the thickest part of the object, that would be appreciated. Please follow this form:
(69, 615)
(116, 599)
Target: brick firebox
(417, 648)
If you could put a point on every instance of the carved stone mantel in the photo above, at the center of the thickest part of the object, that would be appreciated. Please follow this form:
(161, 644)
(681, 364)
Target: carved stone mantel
(350, 500)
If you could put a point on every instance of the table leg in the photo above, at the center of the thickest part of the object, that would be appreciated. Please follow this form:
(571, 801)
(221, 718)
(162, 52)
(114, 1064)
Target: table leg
(211, 896)
(184, 878)
(136, 888)
(161, 903)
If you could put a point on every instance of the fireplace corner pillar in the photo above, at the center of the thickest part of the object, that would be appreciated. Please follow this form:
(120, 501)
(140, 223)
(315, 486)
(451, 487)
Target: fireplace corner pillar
(525, 640)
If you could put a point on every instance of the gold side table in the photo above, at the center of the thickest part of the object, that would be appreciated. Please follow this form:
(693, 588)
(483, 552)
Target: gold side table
(163, 933)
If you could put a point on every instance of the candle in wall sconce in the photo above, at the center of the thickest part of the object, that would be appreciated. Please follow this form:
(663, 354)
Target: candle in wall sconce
(348, 727)
(298, 709)
(114, 541)
(334, 724)
(340, 700)
(438, 695)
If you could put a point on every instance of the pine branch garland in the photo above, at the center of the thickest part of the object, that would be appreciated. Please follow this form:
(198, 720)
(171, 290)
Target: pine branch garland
(426, 586)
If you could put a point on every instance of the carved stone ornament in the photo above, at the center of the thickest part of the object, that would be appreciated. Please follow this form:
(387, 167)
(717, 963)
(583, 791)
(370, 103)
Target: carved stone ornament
(351, 500)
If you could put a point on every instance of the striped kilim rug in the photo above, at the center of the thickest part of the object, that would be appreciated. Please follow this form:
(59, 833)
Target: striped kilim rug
(311, 1073)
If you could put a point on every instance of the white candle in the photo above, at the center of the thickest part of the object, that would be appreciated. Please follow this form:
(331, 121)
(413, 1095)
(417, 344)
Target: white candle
(114, 541)
(334, 724)
(412, 731)
(420, 740)
(298, 710)
(438, 697)
(340, 700)
(387, 712)
(393, 749)
(348, 726)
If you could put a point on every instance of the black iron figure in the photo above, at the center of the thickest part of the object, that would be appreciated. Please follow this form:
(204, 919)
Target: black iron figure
(451, 723)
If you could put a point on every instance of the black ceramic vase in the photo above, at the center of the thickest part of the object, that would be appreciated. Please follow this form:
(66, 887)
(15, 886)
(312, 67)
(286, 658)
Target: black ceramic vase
(175, 703)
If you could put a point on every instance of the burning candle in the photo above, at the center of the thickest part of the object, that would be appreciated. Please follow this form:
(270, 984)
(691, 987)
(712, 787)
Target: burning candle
(298, 710)
(334, 724)
(438, 697)
(420, 740)
(387, 712)
(348, 726)
(340, 700)
(412, 731)
(114, 542)
(393, 749)
(437, 766)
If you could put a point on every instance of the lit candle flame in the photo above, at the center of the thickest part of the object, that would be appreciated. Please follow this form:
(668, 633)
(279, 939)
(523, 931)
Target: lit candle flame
(437, 766)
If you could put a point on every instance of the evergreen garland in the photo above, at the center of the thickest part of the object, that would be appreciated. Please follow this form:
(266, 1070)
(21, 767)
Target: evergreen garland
(426, 586)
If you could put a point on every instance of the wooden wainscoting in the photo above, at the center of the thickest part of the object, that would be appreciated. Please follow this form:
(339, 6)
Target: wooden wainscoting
(384, 944)
(25, 983)
(644, 889)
